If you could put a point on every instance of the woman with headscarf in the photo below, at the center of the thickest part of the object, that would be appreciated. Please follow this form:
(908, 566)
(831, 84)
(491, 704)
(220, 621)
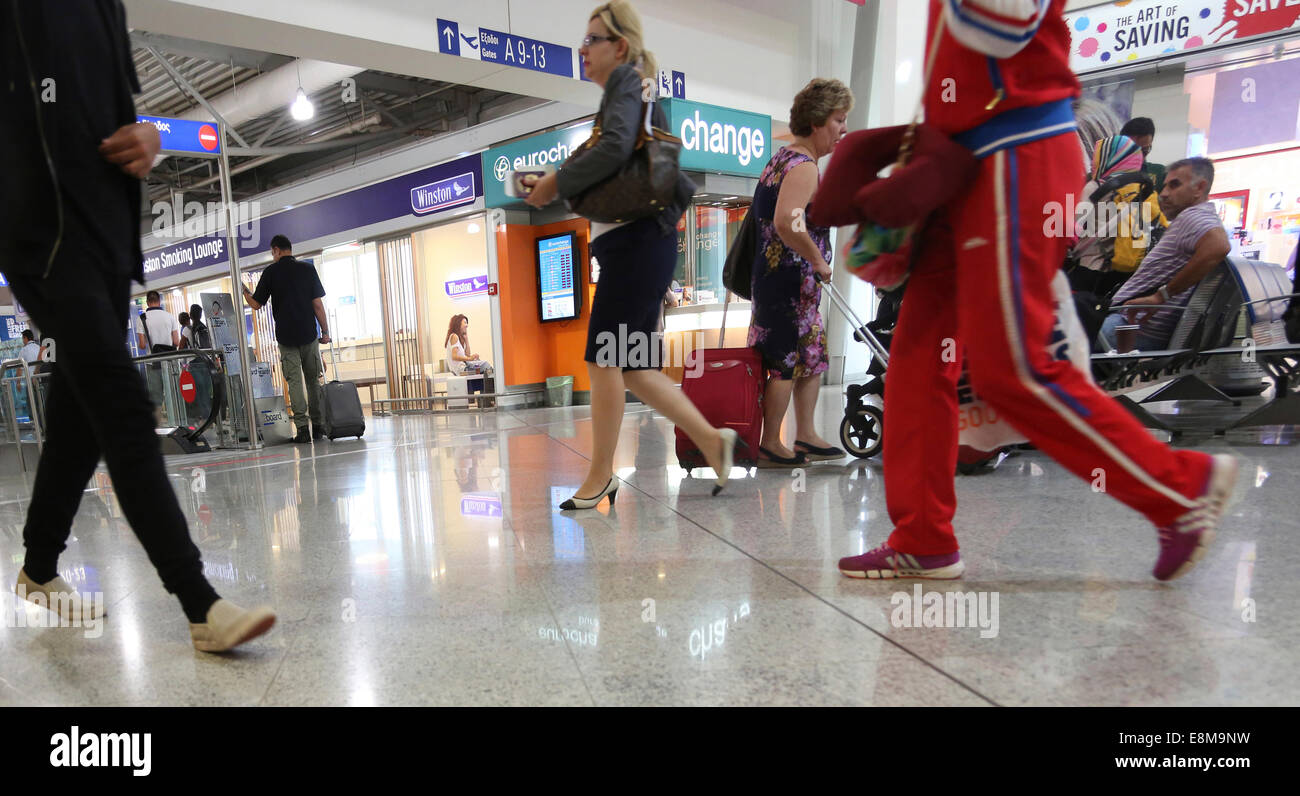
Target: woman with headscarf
(1117, 218)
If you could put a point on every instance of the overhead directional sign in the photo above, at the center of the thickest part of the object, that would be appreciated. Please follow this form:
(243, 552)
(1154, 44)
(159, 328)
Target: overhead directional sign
(672, 84)
(507, 49)
(185, 136)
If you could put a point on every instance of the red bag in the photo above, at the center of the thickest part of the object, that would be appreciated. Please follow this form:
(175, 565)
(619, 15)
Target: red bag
(852, 192)
(929, 171)
(729, 393)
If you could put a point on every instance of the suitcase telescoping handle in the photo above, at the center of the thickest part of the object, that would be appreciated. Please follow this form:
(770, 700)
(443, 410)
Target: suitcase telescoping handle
(861, 332)
(334, 357)
(722, 332)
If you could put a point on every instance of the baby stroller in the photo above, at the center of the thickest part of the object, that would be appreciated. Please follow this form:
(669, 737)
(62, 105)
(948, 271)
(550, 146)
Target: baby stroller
(863, 426)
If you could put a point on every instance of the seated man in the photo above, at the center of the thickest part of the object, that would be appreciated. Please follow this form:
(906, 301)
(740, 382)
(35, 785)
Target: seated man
(1194, 244)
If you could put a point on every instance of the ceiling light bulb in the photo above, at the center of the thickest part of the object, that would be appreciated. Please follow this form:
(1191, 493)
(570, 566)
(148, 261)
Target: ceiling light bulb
(302, 109)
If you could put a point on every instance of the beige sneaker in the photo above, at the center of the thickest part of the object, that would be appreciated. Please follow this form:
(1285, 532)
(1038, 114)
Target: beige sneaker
(60, 597)
(228, 626)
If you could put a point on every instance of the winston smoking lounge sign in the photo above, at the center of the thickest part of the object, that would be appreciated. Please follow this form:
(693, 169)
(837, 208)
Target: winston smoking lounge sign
(1135, 29)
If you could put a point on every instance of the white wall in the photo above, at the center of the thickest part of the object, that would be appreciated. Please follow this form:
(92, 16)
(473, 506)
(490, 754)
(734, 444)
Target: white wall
(748, 54)
(892, 77)
(899, 62)
(1160, 95)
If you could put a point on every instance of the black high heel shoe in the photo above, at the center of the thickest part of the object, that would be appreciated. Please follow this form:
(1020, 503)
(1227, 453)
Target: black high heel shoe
(576, 502)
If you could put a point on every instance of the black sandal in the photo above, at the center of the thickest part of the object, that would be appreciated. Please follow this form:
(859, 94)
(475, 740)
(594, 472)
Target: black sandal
(769, 459)
(820, 454)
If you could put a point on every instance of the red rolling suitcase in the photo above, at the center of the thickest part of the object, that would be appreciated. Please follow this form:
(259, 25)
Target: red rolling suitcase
(728, 391)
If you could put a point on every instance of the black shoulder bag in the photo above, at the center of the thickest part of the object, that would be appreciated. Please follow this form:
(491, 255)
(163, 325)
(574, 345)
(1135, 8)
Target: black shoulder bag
(738, 270)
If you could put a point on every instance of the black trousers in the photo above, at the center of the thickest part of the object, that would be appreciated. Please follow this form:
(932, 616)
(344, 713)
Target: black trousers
(98, 405)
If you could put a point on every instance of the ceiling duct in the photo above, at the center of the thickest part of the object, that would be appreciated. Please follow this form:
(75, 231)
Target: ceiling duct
(274, 91)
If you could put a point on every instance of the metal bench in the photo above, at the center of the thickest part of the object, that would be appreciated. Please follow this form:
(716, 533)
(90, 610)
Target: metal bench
(427, 404)
(1194, 367)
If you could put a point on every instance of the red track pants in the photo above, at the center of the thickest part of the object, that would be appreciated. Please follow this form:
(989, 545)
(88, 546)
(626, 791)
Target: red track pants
(983, 278)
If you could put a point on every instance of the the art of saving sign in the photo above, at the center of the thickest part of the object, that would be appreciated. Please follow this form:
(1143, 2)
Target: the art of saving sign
(1121, 32)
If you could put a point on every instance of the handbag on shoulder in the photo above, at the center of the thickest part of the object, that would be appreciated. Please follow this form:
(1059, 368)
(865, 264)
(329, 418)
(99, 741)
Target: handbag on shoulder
(643, 186)
(738, 270)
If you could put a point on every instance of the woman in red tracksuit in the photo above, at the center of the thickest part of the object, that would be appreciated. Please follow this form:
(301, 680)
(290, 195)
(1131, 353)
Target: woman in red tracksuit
(1001, 86)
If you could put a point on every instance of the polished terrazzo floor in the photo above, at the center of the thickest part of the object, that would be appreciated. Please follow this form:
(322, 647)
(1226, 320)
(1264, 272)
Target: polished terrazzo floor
(427, 565)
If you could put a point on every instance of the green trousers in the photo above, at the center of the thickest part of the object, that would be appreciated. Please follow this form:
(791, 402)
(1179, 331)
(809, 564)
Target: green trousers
(302, 364)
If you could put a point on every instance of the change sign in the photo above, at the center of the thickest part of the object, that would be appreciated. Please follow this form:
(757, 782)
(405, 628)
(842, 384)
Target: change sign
(719, 139)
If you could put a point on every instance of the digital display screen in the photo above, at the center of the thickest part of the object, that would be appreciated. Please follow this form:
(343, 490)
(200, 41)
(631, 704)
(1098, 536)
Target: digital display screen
(559, 293)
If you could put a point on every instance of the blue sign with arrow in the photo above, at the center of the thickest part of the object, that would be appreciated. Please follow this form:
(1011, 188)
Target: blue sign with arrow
(449, 37)
(506, 49)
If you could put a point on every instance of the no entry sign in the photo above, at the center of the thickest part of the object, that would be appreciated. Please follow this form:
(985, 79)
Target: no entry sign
(187, 387)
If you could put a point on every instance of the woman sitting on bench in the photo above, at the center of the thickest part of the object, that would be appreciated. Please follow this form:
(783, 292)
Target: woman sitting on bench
(460, 360)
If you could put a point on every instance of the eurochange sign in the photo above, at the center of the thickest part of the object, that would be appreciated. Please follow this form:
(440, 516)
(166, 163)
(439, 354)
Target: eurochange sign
(1122, 32)
(546, 149)
(721, 140)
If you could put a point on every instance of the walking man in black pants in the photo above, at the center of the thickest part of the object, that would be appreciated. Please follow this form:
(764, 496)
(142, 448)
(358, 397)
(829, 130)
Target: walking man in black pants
(72, 156)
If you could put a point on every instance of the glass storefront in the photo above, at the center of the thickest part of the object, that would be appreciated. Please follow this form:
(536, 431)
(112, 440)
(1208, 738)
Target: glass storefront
(712, 223)
(389, 305)
(1242, 113)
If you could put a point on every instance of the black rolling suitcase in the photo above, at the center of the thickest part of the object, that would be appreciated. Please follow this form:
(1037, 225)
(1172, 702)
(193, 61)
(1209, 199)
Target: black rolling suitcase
(342, 409)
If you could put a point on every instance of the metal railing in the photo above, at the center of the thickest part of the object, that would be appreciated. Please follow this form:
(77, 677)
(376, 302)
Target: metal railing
(23, 399)
(162, 373)
(22, 407)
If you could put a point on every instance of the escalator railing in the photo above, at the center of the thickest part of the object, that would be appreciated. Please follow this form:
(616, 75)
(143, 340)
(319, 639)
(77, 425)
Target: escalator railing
(166, 392)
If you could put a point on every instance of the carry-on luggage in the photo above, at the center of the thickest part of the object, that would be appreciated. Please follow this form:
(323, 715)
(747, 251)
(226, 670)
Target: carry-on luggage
(342, 406)
(728, 391)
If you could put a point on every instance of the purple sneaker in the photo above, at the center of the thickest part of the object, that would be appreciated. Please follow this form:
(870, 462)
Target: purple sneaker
(1185, 542)
(886, 562)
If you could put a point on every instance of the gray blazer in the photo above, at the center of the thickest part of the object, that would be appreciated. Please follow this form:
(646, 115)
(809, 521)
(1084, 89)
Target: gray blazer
(620, 116)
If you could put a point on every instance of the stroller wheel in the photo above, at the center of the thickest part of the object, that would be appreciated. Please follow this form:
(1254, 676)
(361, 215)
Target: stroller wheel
(862, 431)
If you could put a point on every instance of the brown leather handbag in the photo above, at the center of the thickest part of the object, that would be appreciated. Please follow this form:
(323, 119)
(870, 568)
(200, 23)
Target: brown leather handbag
(642, 187)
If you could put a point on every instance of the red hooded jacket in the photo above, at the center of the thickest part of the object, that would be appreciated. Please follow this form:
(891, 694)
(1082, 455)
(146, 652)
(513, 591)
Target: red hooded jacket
(1002, 75)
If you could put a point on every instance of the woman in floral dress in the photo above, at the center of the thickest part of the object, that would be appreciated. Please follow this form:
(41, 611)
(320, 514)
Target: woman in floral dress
(786, 326)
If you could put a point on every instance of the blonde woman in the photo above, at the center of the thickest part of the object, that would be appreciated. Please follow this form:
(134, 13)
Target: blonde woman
(637, 259)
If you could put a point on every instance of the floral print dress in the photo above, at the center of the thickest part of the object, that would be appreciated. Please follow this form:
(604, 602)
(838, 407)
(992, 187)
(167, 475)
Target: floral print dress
(786, 326)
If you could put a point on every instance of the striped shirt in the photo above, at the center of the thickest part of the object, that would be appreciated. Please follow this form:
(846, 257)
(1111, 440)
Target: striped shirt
(1164, 262)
